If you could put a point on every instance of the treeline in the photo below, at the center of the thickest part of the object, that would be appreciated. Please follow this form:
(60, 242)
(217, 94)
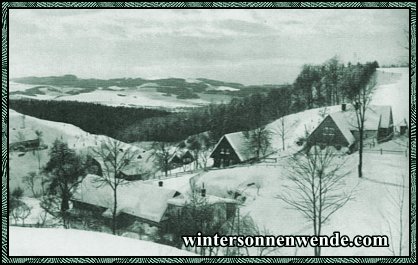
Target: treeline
(91, 117)
(329, 83)
(240, 114)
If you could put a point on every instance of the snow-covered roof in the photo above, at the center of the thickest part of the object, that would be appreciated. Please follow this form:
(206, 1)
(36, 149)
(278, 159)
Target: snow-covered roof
(135, 198)
(210, 199)
(239, 143)
(341, 122)
(376, 117)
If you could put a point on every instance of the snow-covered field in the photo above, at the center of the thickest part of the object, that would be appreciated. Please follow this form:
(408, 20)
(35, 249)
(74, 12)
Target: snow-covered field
(365, 215)
(69, 242)
(145, 96)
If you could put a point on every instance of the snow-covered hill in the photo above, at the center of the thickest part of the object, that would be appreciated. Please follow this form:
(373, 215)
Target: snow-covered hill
(21, 163)
(69, 242)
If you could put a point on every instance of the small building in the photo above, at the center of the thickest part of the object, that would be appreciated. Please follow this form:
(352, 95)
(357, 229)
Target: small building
(231, 149)
(131, 171)
(181, 157)
(137, 201)
(403, 127)
(23, 140)
(339, 129)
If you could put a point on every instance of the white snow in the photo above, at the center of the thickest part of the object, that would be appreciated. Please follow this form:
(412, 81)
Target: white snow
(69, 242)
(361, 216)
(226, 88)
(296, 126)
(393, 89)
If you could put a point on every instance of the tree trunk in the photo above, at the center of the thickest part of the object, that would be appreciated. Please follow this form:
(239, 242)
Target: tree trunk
(360, 153)
(115, 207)
(64, 202)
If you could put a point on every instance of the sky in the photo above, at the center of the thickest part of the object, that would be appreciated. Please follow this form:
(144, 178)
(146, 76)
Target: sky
(249, 46)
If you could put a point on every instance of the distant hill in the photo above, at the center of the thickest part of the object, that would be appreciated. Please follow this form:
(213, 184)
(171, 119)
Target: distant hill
(171, 92)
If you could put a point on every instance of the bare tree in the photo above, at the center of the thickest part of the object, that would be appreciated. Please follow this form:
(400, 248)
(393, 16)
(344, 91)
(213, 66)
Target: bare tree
(23, 117)
(114, 157)
(21, 212)
(162, 154)
(283, 131)
(38, 153)
(258, 141)
(30, 182)
(360, 95)
(397, 200)
(317, 187)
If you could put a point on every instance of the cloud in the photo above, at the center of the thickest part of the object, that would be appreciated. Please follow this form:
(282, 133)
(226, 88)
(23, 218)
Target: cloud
(228, 43)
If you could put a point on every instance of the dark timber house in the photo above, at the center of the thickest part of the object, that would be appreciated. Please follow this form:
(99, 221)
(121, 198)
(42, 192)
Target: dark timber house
(181, 158)
(339, 129)
(231, 149)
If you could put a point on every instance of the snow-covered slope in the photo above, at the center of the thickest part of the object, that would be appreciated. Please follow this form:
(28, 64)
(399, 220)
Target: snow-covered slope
(393, 89)
(69, 242)
(369, 213)
(21, 163)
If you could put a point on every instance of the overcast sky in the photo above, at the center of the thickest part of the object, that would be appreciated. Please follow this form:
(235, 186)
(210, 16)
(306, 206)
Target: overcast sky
(248, 46)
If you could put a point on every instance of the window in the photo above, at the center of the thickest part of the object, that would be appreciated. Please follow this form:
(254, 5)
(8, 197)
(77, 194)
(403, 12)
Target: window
(329, 132)
(227, 151)
(222, 151)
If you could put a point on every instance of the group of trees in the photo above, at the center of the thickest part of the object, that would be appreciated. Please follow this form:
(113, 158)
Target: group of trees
(330, 83)
(91, 117)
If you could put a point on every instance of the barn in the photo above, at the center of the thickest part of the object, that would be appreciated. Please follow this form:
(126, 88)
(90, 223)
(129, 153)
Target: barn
(231, 149)
(339, 129)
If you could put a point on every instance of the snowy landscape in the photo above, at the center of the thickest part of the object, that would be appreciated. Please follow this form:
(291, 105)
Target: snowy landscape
(366, 214)
(326, 151)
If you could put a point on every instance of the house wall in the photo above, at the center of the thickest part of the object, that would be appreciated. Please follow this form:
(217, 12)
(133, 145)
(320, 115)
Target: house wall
(224, 155)
(321, 135)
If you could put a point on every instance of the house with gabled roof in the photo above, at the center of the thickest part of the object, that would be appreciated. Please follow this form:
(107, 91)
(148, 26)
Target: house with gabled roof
(231, 149)
(181, 157)
(340, 129)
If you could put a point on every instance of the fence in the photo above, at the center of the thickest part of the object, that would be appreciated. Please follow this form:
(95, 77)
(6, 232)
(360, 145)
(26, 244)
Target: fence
(385, 151)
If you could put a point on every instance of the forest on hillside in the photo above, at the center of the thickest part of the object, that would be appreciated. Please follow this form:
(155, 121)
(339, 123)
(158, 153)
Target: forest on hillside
(326, 84)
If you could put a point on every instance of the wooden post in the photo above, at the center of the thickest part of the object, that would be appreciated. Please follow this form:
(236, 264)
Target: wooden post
(381, 151)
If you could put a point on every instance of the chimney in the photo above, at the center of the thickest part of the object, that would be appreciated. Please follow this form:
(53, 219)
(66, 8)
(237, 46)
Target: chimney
(160, 183)
(343, 107)
(203, 190)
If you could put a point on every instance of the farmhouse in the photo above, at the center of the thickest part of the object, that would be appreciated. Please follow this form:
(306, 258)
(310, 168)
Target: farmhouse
(137, 201)
(25, 139)
(339, 129)
(231, 149)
